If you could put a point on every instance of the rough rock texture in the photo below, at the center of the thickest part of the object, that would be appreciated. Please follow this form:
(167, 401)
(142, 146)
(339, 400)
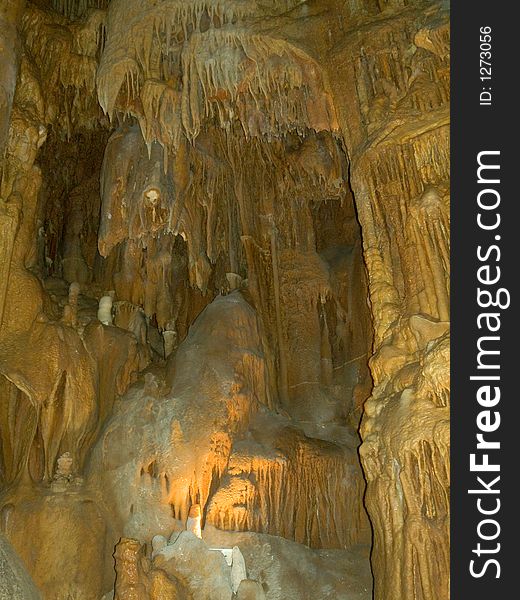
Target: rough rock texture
(396, 119)
(277, 569)
(224, 264)
(48, 526)
(15, 582)
(252, 470)
(136, 579)
(250, 590)
(145, 456)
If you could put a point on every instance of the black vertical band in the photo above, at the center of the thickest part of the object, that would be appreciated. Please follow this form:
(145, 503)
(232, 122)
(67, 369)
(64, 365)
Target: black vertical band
(485, 256)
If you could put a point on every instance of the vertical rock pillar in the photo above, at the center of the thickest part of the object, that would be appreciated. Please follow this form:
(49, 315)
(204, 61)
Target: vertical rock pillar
(10, 17)
(390, 83)
(9, 217)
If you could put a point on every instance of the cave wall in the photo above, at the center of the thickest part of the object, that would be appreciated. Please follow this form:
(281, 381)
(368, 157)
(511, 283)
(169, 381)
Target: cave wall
(391, 90)
(261, 195)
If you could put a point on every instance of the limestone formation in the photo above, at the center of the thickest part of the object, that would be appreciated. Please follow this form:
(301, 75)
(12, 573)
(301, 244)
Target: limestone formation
(64, 469)
(130, 571)
(158, 543)
(15, 582)
(194, 520)
(105, 310)
(250, 590)
(224, 299)
(238, 569)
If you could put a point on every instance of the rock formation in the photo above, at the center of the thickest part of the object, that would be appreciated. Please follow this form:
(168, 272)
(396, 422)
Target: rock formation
(15, 582)
(224, 299)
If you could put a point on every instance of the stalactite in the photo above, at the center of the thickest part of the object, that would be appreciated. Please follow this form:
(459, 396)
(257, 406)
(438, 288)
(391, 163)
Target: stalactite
(225, 74)
(235, 355)
(77, 8)
(67, 63)
(299, 493)
(429, 223)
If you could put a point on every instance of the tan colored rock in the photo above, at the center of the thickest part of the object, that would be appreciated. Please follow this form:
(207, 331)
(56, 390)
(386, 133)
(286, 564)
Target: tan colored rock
(10, 19)
(137, 578)
(131, 577)
(64, 521)
(265, 187)
(250, 590)
(403, 204)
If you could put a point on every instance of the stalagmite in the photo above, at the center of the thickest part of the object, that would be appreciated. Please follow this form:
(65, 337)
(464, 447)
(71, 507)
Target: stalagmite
(238, 569)
(74, 290)
(64, 467)
(193, 522)
(104, 313)
(234, 280)
(70, 310)
(170, 342)
(129, 569)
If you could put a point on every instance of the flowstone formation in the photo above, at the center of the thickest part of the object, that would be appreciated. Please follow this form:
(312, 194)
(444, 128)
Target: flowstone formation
(224, 299)
(397, 118)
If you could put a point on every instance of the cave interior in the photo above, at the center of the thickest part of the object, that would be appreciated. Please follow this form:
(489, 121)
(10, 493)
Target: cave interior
(224, 300)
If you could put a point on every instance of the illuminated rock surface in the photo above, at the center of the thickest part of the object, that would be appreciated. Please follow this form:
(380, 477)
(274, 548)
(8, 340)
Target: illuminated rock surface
(224, 282)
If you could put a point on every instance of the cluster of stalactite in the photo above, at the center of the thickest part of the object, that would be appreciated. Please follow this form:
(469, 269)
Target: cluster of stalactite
(74, 9)
(206, 215)
(298, 492)
(227, 212)
(59, 64)
(176, 65)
